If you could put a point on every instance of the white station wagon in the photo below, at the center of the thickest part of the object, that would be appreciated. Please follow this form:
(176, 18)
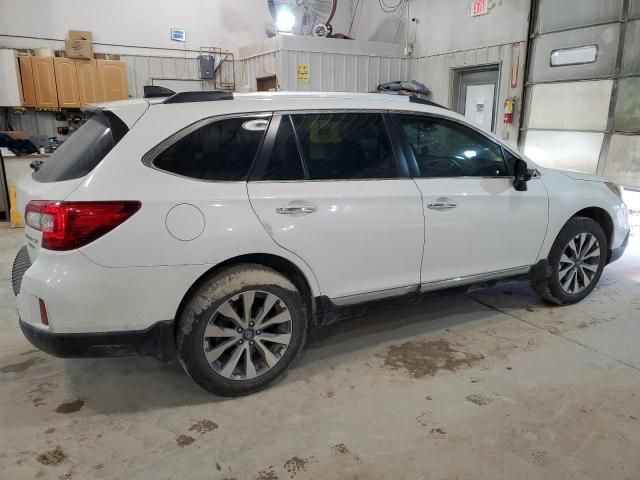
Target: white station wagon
(226, 226)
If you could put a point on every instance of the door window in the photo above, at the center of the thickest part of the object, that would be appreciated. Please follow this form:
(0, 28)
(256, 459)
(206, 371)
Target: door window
(444, 148)
(345, 146)
(221, 150)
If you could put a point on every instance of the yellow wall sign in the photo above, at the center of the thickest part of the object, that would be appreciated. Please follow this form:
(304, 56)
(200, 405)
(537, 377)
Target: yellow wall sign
(303, 73)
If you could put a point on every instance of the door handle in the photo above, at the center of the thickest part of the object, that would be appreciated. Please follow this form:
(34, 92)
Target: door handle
(293, 209)
(442, 204)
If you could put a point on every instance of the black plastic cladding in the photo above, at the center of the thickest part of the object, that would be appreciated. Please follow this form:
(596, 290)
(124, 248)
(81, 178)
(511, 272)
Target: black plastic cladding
(424, 101)
(156, 91)
(189, 97)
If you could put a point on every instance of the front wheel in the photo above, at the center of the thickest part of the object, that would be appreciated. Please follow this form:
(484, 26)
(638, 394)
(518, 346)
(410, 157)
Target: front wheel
(575, 262)
(241, 329)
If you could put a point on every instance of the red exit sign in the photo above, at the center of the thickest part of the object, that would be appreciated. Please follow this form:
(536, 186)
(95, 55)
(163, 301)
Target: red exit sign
(479, 7)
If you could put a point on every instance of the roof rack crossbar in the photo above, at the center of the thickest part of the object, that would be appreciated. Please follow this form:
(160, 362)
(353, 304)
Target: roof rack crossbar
(424, 101)
(208, 96)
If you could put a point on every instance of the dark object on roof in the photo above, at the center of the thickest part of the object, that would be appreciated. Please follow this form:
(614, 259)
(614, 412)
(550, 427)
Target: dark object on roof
(156, 91)
(188, 97)
(411, 87)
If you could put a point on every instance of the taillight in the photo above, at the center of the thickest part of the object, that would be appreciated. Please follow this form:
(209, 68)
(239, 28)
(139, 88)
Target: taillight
(71, 225)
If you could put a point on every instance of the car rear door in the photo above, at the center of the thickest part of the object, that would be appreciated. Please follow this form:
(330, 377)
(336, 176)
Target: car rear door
(329, 188)
(477, 225)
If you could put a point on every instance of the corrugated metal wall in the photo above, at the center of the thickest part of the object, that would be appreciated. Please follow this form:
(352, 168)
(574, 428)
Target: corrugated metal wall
(586, 117)
(341, 72)
(331, 72)
(437, 73)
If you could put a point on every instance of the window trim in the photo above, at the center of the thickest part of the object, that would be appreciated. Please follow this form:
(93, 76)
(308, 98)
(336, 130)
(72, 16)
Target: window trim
(264, 154)
(149, 157)
(413, 164)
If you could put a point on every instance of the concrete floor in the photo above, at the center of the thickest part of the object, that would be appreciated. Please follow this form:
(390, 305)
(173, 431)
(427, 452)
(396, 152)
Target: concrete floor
(489, 385)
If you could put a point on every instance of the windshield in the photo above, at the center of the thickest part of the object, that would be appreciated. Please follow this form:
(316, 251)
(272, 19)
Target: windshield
(80, 154)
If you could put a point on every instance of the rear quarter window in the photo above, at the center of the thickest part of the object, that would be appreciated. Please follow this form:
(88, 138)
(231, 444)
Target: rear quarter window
(84, 150)
(219, 150)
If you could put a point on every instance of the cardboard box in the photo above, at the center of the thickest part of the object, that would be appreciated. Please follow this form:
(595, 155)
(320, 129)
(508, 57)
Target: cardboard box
(79, 49)
(79, 45)
(80, 35)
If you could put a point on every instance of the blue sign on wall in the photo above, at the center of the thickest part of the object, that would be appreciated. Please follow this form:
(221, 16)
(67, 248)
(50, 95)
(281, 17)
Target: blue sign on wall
(178, 35)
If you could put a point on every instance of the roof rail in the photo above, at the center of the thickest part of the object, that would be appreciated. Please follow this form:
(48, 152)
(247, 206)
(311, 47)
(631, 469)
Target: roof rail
(209, 96)
(424, 101)
(156, 91)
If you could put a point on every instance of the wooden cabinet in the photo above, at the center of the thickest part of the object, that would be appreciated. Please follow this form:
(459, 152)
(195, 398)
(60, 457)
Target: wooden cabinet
(66, 83)
(112, 80)
(44, 82)
(60, 82)
(87, 72)
(26, 77)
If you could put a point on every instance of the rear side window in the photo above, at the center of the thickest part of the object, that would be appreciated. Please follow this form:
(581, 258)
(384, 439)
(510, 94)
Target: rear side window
(345, 146)
(83, 151)
(221, 150)
(443, 148)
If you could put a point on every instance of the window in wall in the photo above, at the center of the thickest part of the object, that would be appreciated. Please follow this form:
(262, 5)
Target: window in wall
(443, 148)
(221, 150)
(574, 56)
(345, 146)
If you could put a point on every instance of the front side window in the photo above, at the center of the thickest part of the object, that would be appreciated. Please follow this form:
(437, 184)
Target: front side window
(221, 150)
(443, 148)
(343, 146)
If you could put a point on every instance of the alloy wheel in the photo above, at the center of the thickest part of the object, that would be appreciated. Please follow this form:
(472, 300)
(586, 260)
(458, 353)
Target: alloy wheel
(247, 335)
(579, 263)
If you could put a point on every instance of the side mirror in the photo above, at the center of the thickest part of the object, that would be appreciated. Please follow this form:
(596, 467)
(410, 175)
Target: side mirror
(522, 175)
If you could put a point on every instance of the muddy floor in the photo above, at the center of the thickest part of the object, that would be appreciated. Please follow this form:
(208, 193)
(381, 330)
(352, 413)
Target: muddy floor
(487, 385)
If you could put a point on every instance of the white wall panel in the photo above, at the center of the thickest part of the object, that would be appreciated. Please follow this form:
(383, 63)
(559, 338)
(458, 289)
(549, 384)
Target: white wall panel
(571, 106)
(437, 71)
(561, 14)
(623, 160)
(577, 151)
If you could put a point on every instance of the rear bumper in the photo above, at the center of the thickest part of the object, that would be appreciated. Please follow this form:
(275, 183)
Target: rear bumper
(156, 341)
(616, 253)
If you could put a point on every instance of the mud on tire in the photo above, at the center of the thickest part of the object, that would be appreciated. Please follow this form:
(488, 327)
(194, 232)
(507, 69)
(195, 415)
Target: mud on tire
(241, 329)
(554, 284)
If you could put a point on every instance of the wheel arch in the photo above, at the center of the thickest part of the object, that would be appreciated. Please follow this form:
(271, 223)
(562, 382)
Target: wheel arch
(278, 263)
(602, 217)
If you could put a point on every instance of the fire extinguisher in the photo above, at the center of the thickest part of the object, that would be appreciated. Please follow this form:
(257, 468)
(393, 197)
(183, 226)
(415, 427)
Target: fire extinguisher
(509, 105)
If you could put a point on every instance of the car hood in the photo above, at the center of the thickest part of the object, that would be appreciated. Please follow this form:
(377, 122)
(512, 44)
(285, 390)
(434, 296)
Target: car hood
(577, 175)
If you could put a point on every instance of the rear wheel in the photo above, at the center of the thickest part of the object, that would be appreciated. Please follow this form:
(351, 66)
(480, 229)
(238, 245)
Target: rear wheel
(575, 262)
(241, 330)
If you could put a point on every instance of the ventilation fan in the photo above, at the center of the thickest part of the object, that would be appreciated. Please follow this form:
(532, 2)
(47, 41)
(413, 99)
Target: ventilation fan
(306, 17)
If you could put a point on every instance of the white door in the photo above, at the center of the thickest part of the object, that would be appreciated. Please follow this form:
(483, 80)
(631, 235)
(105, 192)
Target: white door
(341, 206)
(475, 221)
(479, 104)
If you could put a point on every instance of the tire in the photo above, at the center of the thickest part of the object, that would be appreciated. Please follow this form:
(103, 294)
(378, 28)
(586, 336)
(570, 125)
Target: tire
(226, 352)
(569, 277)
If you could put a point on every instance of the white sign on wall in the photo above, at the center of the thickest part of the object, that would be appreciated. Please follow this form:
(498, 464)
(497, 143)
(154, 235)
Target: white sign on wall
(178, 35)
(479, 7)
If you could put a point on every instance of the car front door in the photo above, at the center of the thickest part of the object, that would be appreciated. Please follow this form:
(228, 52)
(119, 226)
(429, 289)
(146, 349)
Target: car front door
(329, 188)
(477, 226)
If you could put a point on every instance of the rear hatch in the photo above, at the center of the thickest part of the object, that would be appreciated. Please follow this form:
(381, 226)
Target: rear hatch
(65, 170)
